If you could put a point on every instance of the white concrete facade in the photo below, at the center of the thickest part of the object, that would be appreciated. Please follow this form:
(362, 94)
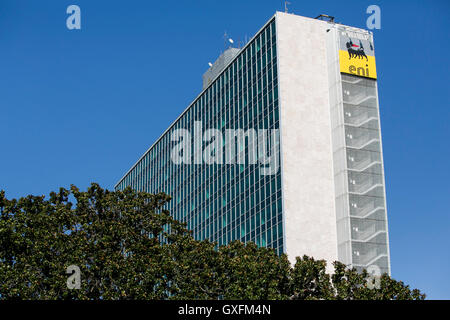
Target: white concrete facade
(305, 137)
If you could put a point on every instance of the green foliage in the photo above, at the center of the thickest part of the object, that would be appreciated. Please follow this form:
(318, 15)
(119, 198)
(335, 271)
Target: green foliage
(128, 247)
(309, 280)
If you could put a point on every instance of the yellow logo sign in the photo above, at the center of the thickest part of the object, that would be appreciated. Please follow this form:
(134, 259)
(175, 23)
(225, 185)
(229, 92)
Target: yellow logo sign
(355, 61)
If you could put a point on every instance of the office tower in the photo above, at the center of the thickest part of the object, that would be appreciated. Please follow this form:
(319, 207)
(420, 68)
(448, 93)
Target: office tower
(282, 147)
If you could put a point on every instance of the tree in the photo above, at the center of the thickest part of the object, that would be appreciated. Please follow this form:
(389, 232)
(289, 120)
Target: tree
(309, 281)
(128, 247)
(117, 239)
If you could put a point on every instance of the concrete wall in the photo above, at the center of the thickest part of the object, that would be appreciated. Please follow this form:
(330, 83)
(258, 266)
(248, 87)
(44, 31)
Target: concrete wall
(306, 146)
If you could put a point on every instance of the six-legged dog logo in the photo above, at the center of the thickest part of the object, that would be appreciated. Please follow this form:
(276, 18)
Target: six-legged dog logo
(355, 51)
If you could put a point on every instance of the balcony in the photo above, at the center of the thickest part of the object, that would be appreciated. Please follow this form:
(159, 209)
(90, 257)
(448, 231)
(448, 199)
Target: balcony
(364, 160)
(362, 183)
(360, 116)
(368, 230)
(366, 254)
(359, 93)
(364, 207)
(362, 138)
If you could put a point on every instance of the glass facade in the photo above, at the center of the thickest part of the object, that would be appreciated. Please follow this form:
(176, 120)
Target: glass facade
(224, 202)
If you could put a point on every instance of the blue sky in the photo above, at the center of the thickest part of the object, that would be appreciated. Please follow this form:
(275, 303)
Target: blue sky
(83, 105)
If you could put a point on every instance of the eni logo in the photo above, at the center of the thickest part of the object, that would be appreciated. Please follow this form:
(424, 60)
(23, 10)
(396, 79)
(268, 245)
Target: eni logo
(355, 51)
(356, 61)
(360, 71)
(356, 57)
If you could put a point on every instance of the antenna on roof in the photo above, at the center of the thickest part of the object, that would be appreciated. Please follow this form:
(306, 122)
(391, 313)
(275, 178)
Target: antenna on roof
(225, 35)
(227, 40)
(286, 6)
